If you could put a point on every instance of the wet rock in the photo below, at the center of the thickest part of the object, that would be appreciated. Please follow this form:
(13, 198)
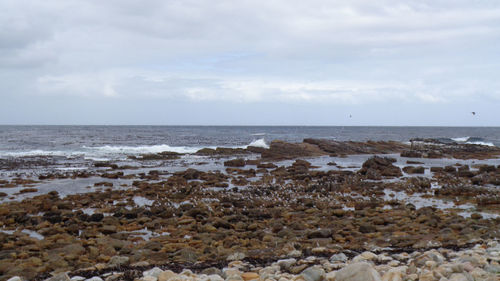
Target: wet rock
(240, 162)
(377, 167)
(280, 150)
(367, 228)
(358, 272)
(414, 170)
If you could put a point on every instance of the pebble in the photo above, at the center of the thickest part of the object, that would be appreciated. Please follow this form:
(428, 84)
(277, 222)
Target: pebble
(434, 265)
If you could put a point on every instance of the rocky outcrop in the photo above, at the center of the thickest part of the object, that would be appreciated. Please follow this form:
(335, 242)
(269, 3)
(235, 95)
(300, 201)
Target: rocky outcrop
(377, 167)
(280, 150)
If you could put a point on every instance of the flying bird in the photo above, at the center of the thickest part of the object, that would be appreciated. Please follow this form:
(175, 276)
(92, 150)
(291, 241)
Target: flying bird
(473, 113)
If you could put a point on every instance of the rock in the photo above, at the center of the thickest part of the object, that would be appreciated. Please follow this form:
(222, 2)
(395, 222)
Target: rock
(154, 272)
(414, 170)
(108, 229)
(330, 276)
(238, 256)
(166, 275)
(320, 233)
(458, 277)
(367, 228)
(339, 258)
(59, 277)
(247, 276)
(95, 278)
(313, 274)
(77, 278)
(15, 278)
(358, 272)
(295, 254)
(235, 163)
(286, 263)
(187, 255)
(280, 150)
(148, 278)
(212, 271)
(493, 268)
(365, 256)
(394, 274)
(377, 167)
(116, 261)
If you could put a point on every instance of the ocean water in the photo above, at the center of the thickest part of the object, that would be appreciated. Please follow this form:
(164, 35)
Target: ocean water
(111, 142)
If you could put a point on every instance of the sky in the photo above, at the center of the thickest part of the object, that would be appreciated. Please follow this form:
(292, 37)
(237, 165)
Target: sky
(255, 62)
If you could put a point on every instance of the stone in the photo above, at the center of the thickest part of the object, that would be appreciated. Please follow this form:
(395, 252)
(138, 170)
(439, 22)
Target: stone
(236, 256)
(493, 268)
(116, 261)
(149, 278)
(361, 271)
(313, 274)
(214, 277)
(458, 277)
(365, 256)
(59, 277)
(330, 276)
(166, 275)
(247, 276)
(15, 278)
(338, 258)
(155, 272)
(95, 278)
(77, 278)
(394, 274)
(286, 263)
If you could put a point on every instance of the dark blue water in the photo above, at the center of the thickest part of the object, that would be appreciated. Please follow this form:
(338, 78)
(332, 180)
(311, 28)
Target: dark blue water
(98, 141)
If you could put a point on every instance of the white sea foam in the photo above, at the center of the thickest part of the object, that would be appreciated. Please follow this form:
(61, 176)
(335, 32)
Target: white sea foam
(259, 134)
(39, 152)
(108, 152)
(259, 143)
(480, 143)
(461, 139)
(108, 149)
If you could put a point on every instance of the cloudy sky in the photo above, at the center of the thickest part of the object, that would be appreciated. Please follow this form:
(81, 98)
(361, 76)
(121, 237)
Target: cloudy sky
(269, 62)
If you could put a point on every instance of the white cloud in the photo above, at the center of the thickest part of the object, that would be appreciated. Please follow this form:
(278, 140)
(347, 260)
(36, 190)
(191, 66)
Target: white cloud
(300, 52)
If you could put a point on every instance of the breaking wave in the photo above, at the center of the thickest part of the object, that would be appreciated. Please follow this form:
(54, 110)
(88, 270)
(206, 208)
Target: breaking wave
(259, 143)
(98, 153)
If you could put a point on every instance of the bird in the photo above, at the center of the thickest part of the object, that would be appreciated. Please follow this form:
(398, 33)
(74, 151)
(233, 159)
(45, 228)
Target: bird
(473, 113)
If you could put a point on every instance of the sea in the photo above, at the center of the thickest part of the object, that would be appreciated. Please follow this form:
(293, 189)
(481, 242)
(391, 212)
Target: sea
(101, 143)
(35, 152)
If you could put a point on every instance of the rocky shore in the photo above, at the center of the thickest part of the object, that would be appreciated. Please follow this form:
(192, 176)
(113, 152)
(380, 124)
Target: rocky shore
(390, 211)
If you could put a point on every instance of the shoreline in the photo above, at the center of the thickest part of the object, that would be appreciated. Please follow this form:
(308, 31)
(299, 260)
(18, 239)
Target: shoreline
(257, 202)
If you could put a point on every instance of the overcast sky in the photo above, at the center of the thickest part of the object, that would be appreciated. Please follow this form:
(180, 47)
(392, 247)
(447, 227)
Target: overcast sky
(270, 62)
